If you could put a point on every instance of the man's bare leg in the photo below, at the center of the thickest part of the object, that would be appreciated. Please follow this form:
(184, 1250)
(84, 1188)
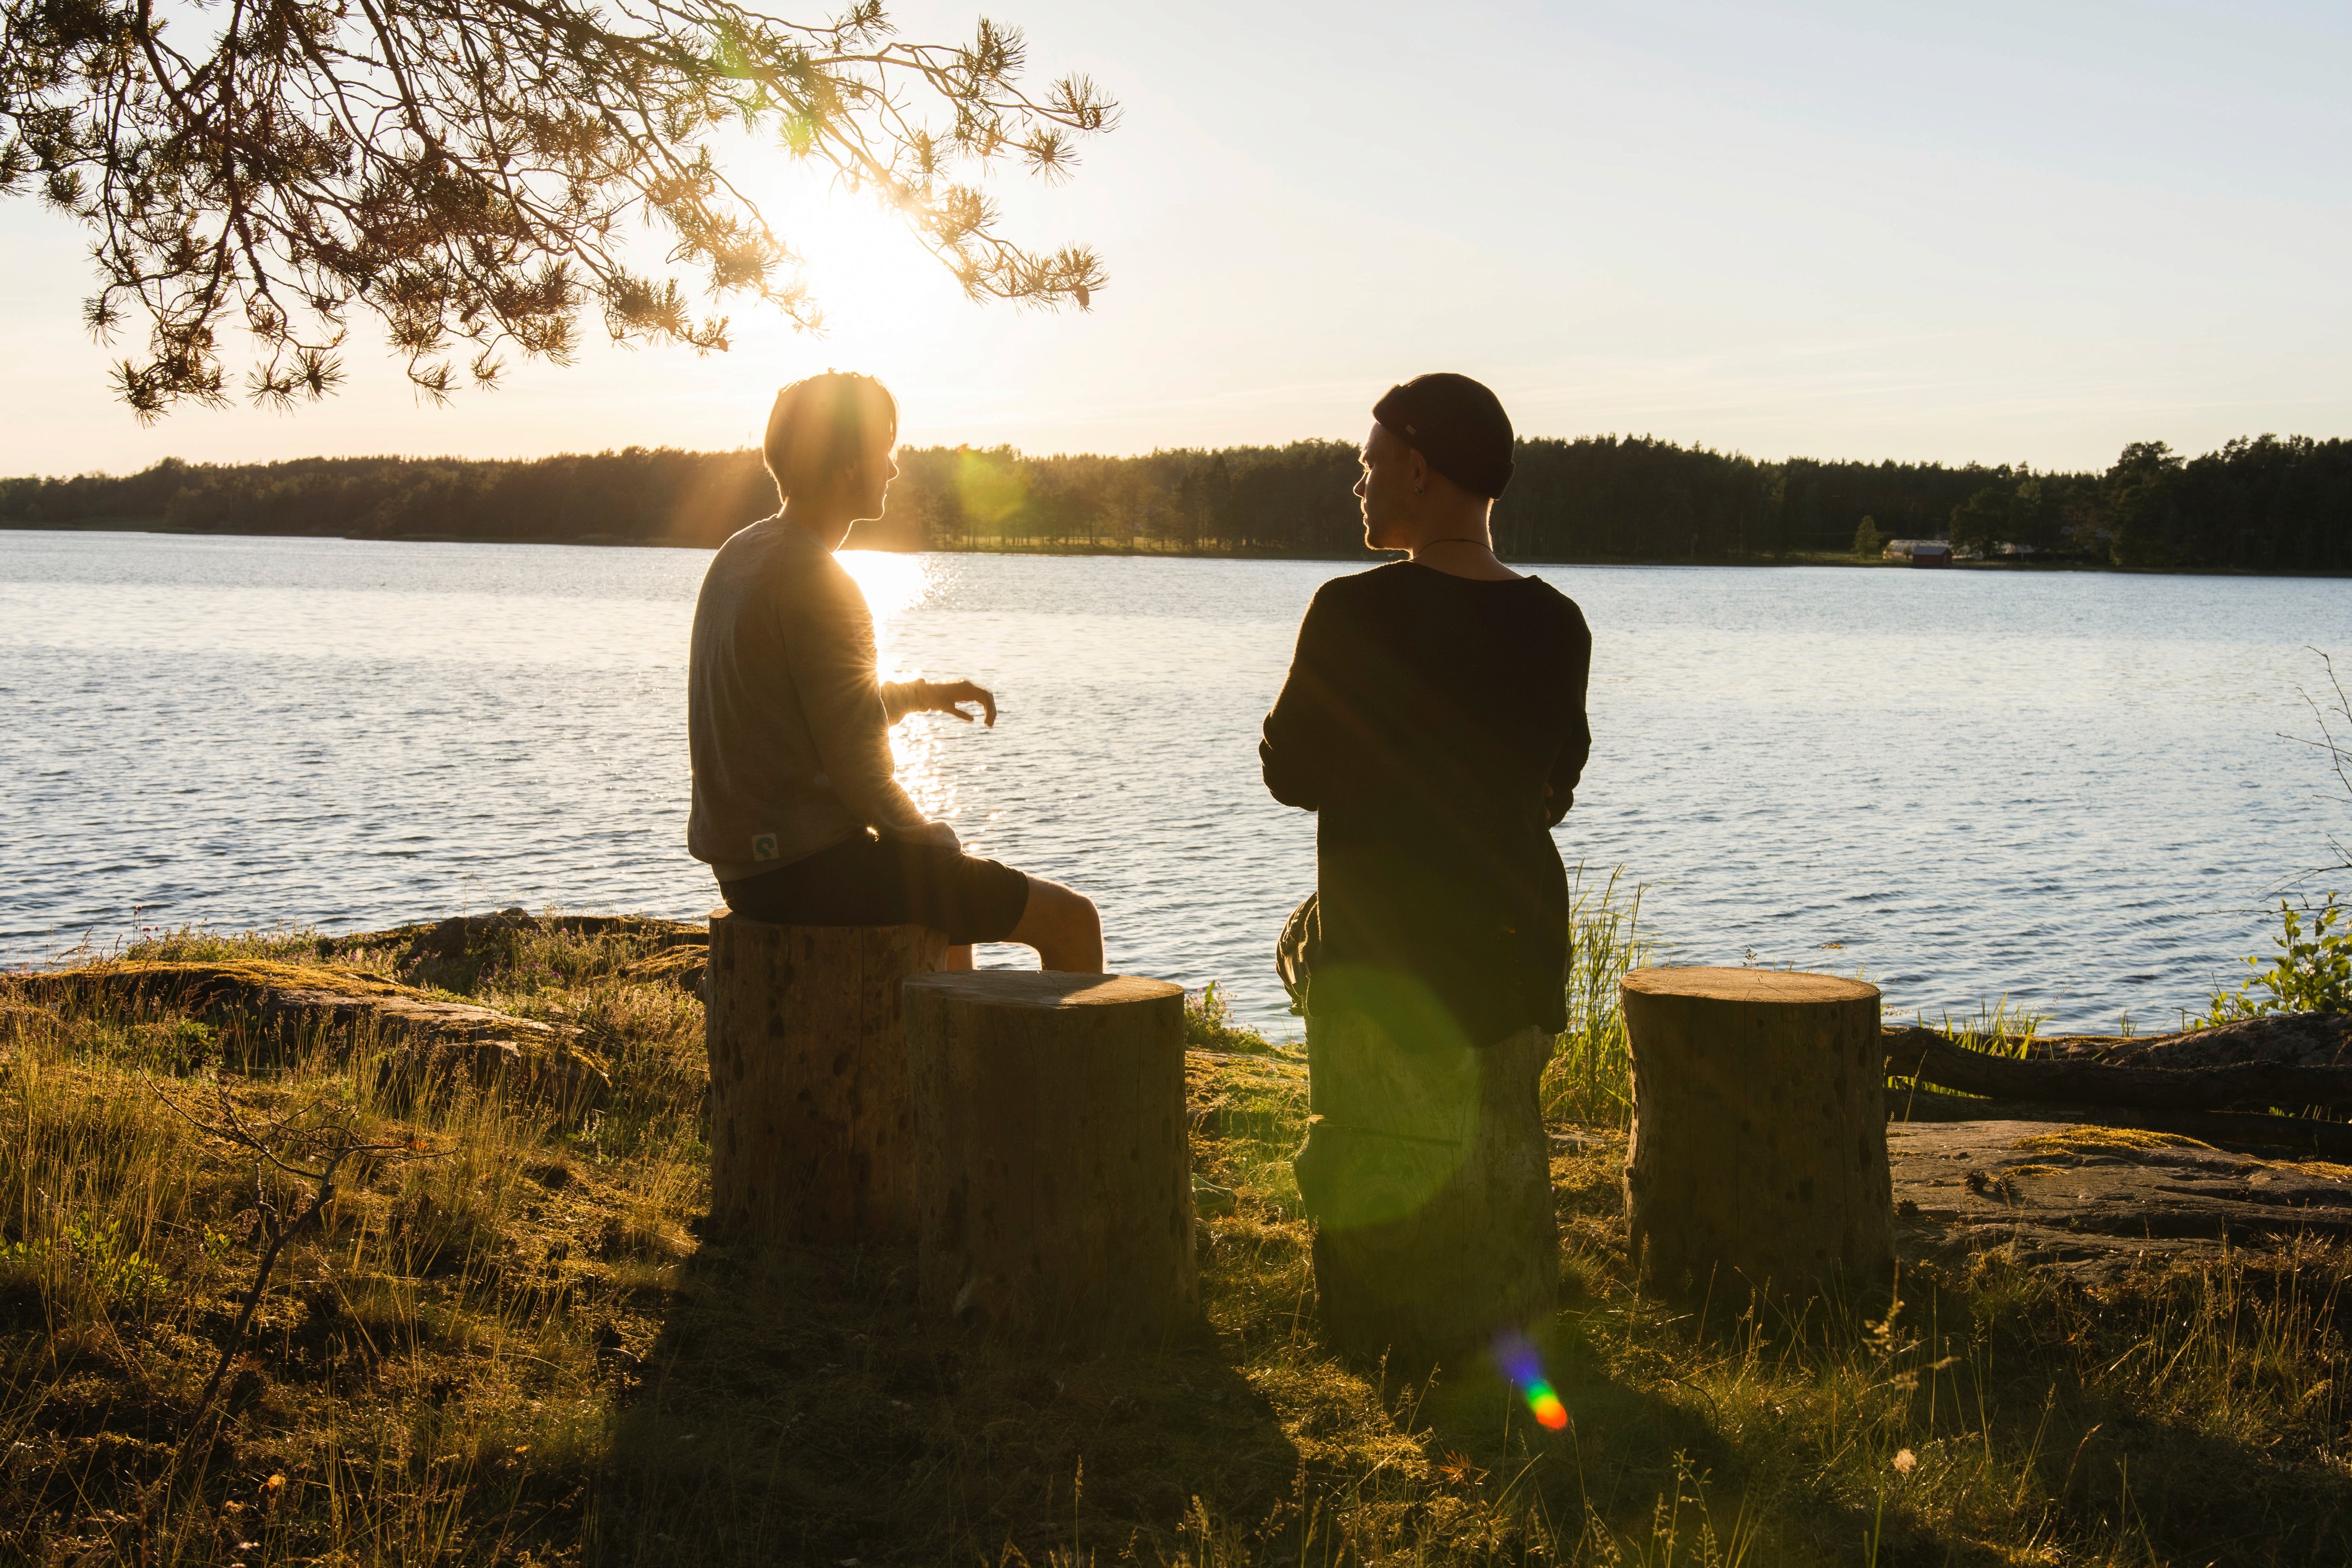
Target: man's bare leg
(1063, 927)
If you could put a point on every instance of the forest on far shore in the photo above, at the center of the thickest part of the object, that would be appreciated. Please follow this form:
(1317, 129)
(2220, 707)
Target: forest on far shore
(2258, 504)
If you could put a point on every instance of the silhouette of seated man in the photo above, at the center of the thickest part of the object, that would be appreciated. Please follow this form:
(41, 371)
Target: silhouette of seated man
(1433, 719)
(796, 806)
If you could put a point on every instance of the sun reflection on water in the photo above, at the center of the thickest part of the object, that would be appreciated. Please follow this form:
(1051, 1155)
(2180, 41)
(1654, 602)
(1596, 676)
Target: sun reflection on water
(894, 584)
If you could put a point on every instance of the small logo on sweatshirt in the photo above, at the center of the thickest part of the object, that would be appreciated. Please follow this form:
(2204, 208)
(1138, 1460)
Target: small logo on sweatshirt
(763, 848)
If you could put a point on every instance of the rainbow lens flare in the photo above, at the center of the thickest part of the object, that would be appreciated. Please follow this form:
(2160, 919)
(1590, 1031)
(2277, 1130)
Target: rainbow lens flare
(1548, 1410)
(1520, 1361)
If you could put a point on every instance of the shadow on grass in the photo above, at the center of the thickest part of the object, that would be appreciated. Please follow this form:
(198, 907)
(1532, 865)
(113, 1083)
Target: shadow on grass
(800, 1408)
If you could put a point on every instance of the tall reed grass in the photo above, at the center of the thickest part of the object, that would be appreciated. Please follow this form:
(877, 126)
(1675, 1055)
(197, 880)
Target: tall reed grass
(1591, 1076)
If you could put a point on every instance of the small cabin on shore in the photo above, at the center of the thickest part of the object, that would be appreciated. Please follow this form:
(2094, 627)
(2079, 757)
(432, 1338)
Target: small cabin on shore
(1919, 552)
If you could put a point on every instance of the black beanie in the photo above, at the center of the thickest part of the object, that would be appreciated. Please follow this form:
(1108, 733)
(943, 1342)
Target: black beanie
(1456, 424)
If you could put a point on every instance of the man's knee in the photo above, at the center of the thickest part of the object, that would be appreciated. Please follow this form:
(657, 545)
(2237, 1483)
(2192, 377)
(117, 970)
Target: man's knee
(1061, 909)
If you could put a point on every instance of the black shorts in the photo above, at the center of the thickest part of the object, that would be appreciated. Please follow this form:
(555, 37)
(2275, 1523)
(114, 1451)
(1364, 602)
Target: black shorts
(871, 881)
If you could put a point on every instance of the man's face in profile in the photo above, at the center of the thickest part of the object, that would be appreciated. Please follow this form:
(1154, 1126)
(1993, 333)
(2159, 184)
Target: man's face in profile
(1384, 487)
(871, 482)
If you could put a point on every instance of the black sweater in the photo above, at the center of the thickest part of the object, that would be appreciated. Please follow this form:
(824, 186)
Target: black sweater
(1436, 724)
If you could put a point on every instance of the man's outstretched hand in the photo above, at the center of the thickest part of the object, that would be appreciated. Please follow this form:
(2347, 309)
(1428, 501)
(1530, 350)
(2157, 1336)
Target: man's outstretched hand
(949, 696)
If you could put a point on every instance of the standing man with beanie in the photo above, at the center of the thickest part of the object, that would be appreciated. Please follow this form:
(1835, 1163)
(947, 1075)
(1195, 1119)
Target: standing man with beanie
(1434, 721)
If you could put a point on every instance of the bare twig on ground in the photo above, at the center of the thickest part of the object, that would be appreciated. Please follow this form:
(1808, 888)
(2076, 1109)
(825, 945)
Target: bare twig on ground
(330, 1144)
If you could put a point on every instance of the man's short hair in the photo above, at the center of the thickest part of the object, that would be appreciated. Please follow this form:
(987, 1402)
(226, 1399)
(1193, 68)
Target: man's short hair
(1456, 424)
(825, 424)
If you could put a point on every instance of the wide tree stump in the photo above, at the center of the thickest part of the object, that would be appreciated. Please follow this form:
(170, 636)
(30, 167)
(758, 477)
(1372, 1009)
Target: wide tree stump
(812, 1125)
(1051, 1167)
(1428, 1176)
(1757, 1161)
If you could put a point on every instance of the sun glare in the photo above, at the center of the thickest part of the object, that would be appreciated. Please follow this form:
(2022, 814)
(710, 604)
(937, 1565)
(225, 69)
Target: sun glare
(884, 297)
(892, 583)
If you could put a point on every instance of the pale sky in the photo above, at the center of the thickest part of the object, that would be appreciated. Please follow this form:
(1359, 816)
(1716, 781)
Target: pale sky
(2001, 232)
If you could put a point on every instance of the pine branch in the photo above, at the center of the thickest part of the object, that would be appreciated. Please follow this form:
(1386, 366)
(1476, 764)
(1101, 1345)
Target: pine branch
(472, 172)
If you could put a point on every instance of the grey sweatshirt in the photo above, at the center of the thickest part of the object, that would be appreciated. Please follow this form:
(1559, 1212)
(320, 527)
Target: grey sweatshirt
(786, 722)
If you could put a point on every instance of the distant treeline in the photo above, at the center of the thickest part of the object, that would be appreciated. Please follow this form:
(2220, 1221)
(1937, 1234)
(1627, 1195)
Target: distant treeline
(2261, 504)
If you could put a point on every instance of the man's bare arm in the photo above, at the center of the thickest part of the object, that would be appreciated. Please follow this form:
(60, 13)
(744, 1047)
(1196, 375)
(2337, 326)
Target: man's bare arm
(900, 698)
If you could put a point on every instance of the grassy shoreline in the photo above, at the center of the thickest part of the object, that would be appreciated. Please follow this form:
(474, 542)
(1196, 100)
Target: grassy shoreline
(519, 1350)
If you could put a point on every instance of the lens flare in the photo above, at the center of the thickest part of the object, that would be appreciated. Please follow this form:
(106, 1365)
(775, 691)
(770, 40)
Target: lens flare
(1520, 1361)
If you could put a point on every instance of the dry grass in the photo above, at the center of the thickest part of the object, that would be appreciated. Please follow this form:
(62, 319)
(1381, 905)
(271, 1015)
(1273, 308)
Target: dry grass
(520, 1352)
(2100, 1140)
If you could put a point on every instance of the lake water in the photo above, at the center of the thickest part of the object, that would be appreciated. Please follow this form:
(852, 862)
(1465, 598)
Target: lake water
(2067, 789)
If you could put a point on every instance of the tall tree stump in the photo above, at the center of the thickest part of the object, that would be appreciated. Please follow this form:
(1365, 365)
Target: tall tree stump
(812, 1125)
(1051, 1167)
(1428, 1176)
(1757, 1161)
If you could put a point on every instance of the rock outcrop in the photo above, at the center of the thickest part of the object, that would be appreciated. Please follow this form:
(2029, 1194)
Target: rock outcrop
(270, 1006)
(2095, 1198)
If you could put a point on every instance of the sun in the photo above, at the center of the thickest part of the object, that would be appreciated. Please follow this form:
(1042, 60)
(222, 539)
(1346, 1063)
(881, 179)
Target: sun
(886, 301)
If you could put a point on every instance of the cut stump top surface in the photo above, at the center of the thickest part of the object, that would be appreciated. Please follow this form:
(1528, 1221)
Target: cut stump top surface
(1747, 985)
(1044, 990)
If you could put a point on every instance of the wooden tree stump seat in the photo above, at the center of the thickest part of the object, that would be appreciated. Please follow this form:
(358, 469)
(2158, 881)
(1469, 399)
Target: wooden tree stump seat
(812, 1124)
(1052, 1172)
(1757, 1160)
(1428, 1176)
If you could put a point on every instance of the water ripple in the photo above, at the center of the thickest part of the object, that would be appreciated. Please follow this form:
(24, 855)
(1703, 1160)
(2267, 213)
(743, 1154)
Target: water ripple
(2070, 790)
